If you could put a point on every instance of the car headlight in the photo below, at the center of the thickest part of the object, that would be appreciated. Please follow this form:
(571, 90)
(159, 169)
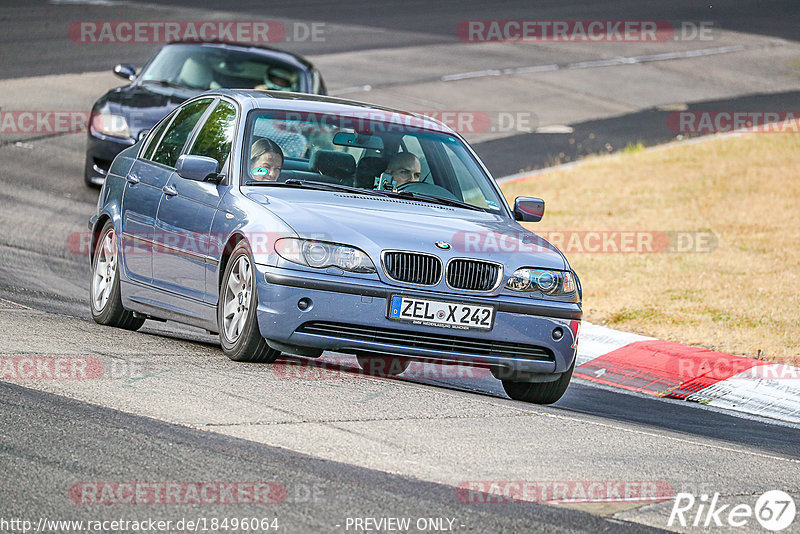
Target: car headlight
(320, 255)
(109, 124)
(554, 283)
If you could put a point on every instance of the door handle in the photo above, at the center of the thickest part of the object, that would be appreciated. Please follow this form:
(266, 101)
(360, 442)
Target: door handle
(169, 190)
(132, 179)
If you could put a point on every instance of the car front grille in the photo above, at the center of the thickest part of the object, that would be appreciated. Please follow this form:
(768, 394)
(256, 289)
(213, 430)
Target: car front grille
(473, 275)
(412, 267)
(423, 340)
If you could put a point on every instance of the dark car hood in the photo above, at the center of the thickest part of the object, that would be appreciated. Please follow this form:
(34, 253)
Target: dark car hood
(144, 105)
(374, 224)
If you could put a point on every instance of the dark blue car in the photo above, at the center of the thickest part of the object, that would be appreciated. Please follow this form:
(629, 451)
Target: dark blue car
(180, 71)
(292, 223)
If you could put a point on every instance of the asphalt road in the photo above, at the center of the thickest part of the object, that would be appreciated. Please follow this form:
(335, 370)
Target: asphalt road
(171, 407)
(99, 444)
(34, 41)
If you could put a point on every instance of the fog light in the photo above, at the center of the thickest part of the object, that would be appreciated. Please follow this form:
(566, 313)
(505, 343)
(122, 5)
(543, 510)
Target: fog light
(558, 333)
(304, 304)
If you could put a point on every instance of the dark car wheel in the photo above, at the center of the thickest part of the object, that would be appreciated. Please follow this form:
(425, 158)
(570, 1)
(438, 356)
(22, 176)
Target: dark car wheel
(104, 296)
(539, 392)
(382, 365)
(236, 312)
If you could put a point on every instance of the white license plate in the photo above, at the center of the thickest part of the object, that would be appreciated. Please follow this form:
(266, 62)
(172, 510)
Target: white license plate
(442, 314)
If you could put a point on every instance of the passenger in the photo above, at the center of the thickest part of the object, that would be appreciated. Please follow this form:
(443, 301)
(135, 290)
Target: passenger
(266, 160)
(404, 168)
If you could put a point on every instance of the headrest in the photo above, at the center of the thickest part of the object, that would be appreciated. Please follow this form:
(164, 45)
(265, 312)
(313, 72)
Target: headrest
(195, 74)
(368, 168)
(338, 165)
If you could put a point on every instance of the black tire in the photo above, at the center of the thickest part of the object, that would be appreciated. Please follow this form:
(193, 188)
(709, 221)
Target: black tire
(247, 345)
(108, 310)
(384, 366)
(539, 392)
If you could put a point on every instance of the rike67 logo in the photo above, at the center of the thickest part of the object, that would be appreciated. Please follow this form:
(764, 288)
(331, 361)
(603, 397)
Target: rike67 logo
(774, 510)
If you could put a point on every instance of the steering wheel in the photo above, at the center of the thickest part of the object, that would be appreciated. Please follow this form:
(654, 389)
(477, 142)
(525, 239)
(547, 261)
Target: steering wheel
(426, 188)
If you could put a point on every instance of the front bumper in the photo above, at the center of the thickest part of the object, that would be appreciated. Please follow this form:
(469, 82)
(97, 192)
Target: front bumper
(359, 308)
(100, 152)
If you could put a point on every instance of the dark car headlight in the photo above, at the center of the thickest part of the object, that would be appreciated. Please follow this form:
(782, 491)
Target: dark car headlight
(321, 255)
(553, 283)
(109, 124)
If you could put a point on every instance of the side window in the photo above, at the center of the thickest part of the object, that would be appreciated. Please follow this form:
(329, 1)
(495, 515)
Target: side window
(216, 136)
(154, 136)
(175, 137)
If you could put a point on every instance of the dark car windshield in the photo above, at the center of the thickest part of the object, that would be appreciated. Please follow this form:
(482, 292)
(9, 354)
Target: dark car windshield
(204, 67)
(403, 156)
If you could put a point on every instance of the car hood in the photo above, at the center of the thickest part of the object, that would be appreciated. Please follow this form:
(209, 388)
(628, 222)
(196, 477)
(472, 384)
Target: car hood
(144, 105)
(379, 223)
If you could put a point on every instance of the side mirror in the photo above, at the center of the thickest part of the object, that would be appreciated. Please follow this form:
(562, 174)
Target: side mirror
(197, 168)
(126, 71)
(143, 134)
(528, 209)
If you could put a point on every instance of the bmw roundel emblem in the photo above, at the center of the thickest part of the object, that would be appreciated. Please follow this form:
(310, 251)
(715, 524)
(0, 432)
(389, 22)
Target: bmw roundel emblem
(444, 245)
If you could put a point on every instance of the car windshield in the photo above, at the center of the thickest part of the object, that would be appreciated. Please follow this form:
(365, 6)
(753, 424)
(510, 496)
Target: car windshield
(203, 67)
(379, 152)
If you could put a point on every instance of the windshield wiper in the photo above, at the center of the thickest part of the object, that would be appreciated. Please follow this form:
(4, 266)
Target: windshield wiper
(437, 200)
(321, 186)
(325, 186)
(170, 83)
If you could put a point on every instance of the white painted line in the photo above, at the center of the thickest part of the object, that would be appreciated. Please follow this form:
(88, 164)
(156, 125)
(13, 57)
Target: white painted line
(673, 107)
(351, 89)
(589, 64)
(599, 63)
(475, 74)
(555, 129)
(83, 2)
(688, 54)
(536, 68)
(595, 63)
(16, 304)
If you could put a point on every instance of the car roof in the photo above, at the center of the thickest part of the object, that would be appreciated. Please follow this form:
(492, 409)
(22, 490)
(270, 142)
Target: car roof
(265, 51)
(251, 99)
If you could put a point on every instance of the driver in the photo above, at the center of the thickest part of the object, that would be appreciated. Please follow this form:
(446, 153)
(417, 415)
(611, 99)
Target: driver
(266, 160)
(404, 168)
